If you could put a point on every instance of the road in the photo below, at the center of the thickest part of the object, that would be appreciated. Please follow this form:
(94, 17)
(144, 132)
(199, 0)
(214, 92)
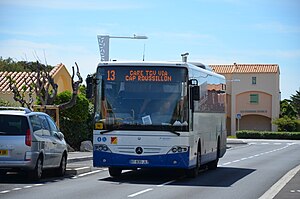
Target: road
(246, 171)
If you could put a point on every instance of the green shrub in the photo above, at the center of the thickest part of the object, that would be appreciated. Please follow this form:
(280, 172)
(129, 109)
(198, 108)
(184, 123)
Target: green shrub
(286, 124)
(249, 134)
(75, 122)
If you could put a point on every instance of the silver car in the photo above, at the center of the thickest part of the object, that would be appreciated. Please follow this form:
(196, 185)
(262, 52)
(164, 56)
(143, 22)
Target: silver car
(30, 141)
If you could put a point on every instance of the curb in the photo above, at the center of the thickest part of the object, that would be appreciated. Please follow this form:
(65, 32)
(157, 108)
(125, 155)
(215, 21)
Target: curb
(79, 159)
(236, 141)
(75, 170)
(78, 171)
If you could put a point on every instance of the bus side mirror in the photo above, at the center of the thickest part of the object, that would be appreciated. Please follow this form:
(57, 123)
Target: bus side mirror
(195, 93)
(89, 87)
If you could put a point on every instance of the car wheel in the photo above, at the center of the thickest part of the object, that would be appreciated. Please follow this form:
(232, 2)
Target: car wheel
(36, 174)
(63, 166)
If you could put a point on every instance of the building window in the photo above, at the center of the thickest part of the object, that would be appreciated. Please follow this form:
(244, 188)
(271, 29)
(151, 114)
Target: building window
(253, 80)
(254, 98)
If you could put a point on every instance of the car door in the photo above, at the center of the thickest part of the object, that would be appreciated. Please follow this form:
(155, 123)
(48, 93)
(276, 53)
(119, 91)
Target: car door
(60, 144)
(50, 145)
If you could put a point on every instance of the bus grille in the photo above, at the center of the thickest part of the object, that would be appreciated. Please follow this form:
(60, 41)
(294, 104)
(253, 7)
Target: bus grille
(146, 150)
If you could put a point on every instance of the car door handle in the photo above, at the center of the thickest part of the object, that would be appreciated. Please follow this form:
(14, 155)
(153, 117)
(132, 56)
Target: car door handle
(54, 143)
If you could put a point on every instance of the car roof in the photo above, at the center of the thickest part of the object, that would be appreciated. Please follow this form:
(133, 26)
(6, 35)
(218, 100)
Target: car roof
(18, 111)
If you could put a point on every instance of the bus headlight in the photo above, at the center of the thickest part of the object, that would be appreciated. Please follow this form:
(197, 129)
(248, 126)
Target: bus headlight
(178, 149)
(101, 147)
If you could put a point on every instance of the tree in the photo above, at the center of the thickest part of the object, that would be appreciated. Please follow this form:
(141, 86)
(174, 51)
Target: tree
(42, 83)
(295, 101)
(287, 109)
(287, 118)
(286, 124)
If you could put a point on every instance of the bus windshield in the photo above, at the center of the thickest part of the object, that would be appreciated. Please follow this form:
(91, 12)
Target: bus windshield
(142, 98)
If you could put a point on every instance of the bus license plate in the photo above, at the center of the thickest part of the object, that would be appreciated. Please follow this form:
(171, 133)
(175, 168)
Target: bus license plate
(3, 152)
(139, 162)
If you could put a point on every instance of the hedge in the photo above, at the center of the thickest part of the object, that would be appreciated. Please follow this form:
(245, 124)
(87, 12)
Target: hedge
(249, 134)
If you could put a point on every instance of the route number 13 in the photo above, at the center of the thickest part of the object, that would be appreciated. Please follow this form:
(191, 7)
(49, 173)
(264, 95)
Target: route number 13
(111, 75)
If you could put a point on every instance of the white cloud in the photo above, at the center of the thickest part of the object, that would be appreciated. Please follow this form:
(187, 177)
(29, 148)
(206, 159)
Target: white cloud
(277, 27)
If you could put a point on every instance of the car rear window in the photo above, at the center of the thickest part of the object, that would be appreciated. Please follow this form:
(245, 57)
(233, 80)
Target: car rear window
(13, 125)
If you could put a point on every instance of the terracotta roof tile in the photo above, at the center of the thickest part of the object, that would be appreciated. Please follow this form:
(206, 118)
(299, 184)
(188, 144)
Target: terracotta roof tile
(245, 68)
(21, 78)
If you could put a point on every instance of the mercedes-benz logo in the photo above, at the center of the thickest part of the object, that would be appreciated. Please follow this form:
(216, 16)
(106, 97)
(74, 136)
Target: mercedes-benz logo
(139, 150)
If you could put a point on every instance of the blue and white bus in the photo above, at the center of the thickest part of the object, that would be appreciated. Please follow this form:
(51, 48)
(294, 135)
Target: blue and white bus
(158, 115)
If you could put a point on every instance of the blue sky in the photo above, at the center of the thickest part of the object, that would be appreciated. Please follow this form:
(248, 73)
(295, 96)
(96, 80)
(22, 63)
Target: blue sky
(212, 31)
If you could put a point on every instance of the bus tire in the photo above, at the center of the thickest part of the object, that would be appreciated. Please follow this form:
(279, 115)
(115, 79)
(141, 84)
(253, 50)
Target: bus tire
(214, 164)
(193, 173)
(114, 172)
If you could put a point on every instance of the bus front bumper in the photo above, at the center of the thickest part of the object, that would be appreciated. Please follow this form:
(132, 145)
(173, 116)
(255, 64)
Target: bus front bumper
(176, 160)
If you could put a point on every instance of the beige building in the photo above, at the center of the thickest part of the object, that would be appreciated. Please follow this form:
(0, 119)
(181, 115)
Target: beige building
(59, 73)
(253, 96)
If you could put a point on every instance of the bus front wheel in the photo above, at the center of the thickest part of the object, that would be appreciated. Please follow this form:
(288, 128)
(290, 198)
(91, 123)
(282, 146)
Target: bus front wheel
(114, 172)
(193, 173)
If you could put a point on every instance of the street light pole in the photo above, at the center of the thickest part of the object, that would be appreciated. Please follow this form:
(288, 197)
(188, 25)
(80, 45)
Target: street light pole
(103, 41)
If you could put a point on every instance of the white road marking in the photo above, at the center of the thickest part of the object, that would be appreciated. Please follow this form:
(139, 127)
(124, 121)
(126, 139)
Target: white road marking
(5, 191)
(150, 189)
(16, 189)
(36, 185)
(166, 183)
(140, 192)
(227, 163)
(257, 155)
(274, 190)
(89, 173)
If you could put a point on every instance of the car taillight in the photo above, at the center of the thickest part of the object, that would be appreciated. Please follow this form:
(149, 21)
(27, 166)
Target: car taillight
(28, 138)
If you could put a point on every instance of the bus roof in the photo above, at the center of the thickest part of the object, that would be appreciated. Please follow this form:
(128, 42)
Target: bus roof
(191, 65)
(142, 63)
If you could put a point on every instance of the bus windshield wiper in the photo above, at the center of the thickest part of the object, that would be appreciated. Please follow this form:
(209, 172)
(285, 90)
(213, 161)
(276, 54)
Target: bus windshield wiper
(174, 132)
(106, 131)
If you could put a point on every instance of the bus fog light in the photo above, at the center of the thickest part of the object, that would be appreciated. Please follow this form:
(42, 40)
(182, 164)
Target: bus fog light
(179, 149)
(104, 160)
(174, 149)
(174, 162)
(105, 148)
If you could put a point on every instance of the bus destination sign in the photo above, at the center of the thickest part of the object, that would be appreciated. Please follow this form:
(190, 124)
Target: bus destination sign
(143, 75)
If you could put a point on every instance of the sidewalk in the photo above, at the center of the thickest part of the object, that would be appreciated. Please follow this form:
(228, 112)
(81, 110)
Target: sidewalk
(79, 156)
(73, 166)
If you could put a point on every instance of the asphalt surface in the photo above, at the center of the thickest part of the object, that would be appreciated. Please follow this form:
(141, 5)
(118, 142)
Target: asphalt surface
(287, 187)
